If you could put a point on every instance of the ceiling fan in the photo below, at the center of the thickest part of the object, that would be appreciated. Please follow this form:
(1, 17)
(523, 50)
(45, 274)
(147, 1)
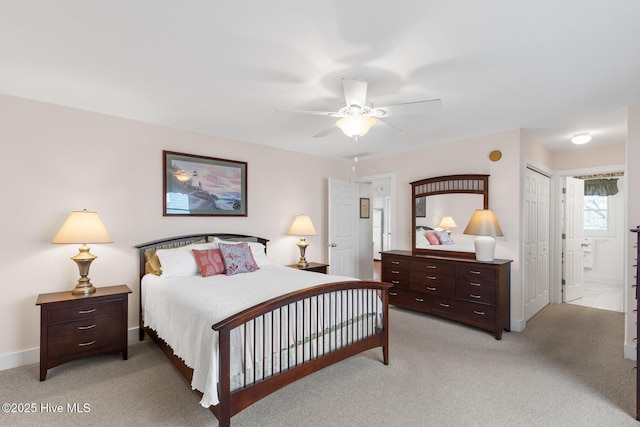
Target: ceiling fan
(358, 115)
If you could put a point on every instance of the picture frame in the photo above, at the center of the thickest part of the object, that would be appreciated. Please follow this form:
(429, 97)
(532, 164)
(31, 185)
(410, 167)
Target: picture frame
(364, 208)
(421, 207)
(196, 185)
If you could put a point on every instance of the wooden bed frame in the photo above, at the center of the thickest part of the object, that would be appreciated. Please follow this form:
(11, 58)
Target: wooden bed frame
(232, 402)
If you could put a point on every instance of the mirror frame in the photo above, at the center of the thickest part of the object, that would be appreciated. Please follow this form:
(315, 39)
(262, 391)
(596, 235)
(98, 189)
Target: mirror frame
(449, 184)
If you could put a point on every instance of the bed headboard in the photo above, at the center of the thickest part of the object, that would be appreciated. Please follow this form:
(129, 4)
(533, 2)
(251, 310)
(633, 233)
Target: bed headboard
(174, 242)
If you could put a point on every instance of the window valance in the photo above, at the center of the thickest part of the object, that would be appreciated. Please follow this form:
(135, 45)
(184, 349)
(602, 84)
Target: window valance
(601, 187)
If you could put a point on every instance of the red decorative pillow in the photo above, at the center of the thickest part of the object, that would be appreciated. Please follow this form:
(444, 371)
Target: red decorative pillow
(432, 238)
(210, 261)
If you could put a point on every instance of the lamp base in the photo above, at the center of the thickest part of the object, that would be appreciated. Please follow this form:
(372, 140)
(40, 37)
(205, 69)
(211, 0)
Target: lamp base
(83, 289)
(83, 259)
(485, 247)
(302, 244)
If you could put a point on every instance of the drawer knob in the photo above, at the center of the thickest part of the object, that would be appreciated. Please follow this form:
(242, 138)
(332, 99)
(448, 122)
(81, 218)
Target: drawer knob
(86, 311)
(445, 305)
(84, 344)
(431, 277)
(475, 296)
(395, 282)
(431, 288)
(419, 299)
(479, 313)
(474, 284)
(474, 272)
(83, 328)
(431, 266)
(395, 262)
(393, 294)
(395, 272)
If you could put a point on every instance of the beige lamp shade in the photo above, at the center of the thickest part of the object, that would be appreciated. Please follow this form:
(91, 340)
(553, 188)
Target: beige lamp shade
(82, 227)
(447, 222)
(483, 222)
(302, 226)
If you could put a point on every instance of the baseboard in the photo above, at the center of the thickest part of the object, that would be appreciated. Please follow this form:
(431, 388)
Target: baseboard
(630, 352)
(518, 325)
(29, 357)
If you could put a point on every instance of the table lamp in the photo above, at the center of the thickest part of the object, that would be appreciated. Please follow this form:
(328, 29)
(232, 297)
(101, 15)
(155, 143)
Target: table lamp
(83, 227)
(484, 224)
(302, 226)
(447, 223)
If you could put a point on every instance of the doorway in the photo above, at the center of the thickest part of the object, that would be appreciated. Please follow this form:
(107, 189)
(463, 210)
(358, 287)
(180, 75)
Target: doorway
(603, 241)
(603, 254)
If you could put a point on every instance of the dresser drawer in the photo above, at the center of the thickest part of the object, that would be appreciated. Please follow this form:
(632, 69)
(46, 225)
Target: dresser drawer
(433, 283)
(476, 270)
(470, 289)
(93, 324)
(397, 276)
(87, 342)
(83, 311)
(439, 267)
(477, 314)
(408, 299)
(394, 262)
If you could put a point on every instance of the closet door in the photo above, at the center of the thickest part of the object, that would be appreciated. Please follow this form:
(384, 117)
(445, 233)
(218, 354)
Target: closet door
(536, 241)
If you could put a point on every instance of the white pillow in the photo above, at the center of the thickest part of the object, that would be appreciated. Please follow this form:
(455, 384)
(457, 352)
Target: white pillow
(257, 250)
(180, 261)
(421, 239)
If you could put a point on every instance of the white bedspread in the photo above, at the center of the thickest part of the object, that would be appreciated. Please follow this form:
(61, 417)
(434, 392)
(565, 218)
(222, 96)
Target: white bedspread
(183, 309)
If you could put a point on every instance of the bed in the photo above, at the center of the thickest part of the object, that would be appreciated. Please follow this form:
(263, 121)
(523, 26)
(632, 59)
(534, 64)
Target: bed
(238, 338)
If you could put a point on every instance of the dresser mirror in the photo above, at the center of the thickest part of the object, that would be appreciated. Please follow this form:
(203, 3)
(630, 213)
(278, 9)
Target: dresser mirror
(435, 199)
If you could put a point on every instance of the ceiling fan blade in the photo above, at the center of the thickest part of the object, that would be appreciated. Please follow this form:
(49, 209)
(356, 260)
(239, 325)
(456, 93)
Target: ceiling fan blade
(314, 113)
(408, 109)
(355, 92)
(384, 126)
(325, 131)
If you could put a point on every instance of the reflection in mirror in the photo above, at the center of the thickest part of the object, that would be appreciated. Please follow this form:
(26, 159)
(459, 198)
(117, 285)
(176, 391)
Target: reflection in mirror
(455, 196)
(459, 207)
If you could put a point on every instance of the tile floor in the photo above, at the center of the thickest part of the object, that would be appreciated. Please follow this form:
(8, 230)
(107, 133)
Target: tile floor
(605, 296)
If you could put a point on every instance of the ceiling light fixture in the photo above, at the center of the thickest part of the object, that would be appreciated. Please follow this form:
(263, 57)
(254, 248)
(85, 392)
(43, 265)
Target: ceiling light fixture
(355, 126)
(581, 138)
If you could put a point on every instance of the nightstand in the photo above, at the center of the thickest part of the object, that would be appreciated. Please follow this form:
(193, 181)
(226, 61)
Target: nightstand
(313, 266)
(72, 327)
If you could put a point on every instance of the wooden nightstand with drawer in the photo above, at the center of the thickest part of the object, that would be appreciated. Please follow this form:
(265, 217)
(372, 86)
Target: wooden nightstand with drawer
(313, 266)
(72, 327)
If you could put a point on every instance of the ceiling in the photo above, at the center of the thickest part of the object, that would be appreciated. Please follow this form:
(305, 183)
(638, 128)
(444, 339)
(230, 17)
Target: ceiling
(552, 68)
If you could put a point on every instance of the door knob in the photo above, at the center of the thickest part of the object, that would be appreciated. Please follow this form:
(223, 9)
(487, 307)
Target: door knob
(332, 245)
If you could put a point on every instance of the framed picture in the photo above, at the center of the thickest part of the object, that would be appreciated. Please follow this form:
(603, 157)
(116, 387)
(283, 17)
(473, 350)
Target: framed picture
(364, 208)
(421, 207)
(203, 186)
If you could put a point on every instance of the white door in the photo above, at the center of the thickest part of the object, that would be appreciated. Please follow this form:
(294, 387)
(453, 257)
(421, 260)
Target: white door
(536, 239)
(572, 239)
(378, 231)
(343, 231)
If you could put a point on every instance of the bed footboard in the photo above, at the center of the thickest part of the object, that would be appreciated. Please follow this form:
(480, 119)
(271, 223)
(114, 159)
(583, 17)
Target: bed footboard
(292, 336)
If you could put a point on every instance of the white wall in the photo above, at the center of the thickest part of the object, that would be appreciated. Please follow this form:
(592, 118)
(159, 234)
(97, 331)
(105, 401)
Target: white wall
(58, 159)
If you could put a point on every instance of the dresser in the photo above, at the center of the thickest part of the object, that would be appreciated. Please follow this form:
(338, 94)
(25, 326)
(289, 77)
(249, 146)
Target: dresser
(72, 327)
(463, 290)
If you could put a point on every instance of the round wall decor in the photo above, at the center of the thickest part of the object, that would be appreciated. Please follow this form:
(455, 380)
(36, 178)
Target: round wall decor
(495, 155)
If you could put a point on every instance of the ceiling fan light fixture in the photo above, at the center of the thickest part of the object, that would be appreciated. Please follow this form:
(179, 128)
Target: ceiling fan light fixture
(581, 138)
(356, 126)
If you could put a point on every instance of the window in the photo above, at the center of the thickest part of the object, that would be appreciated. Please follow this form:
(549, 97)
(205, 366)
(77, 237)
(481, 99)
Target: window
(596, 213)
